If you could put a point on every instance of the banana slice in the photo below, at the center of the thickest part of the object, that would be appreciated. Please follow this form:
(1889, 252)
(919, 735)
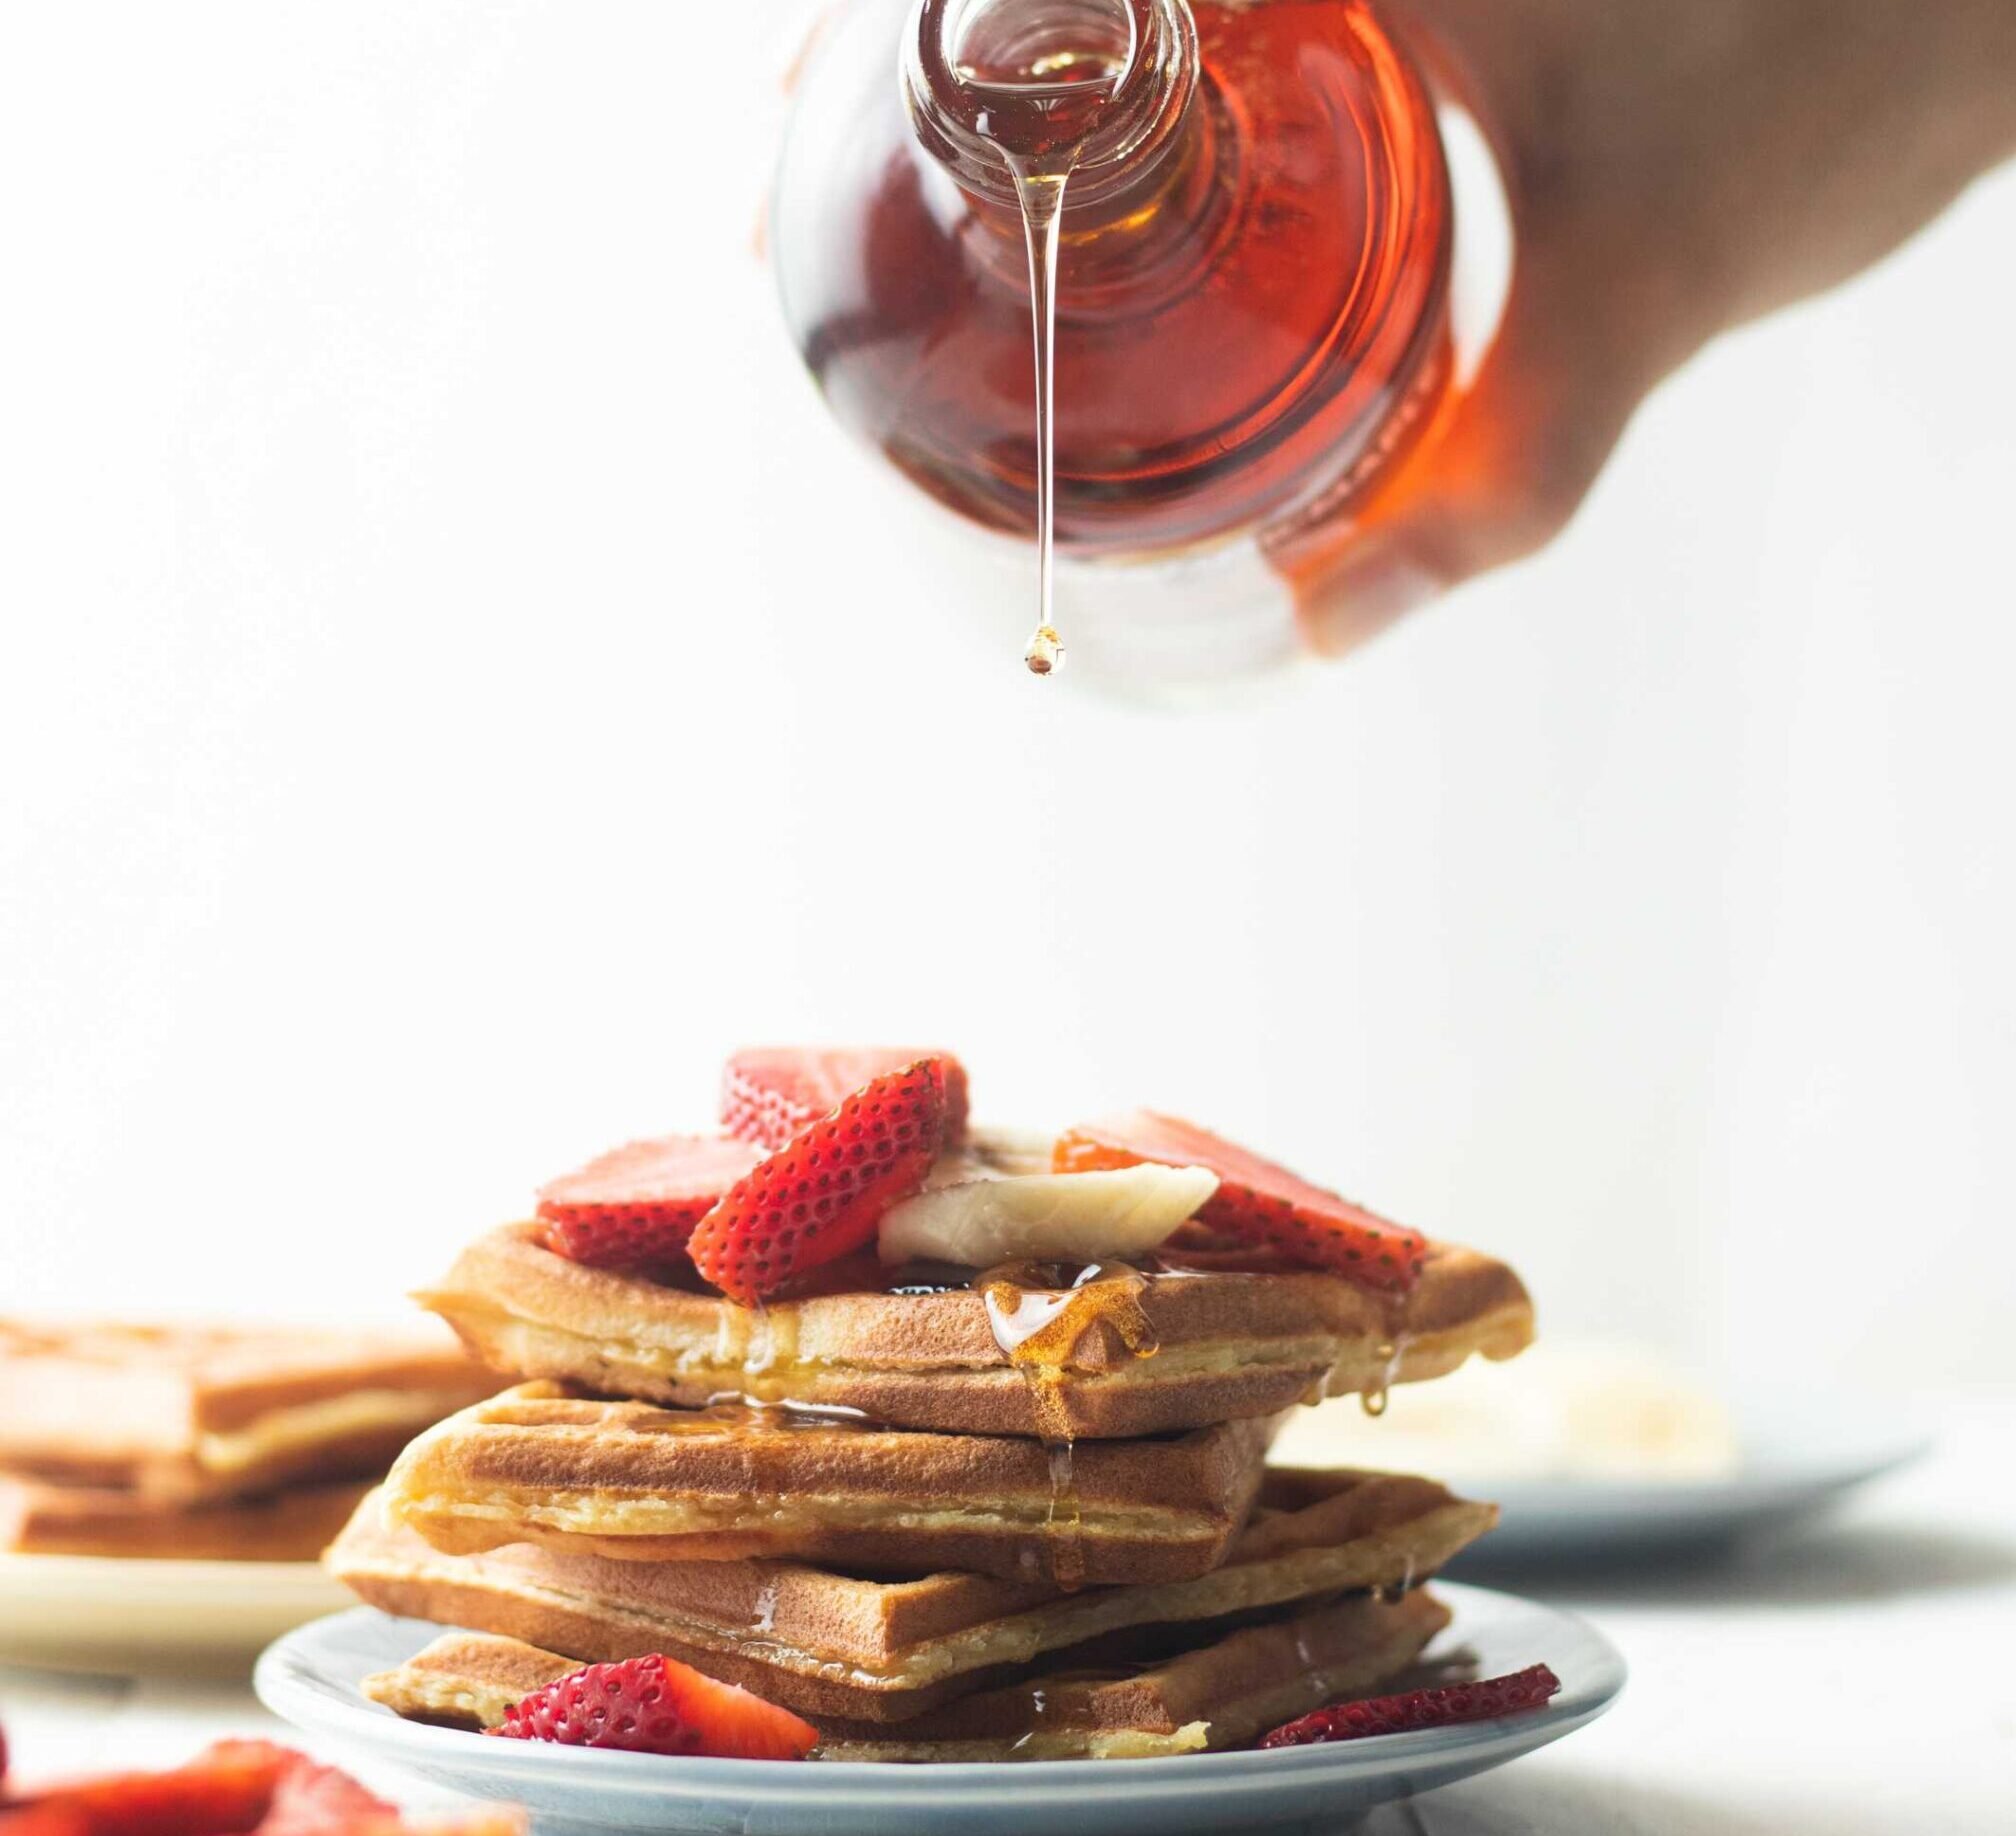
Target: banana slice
(997, 1201)
(993, 1153)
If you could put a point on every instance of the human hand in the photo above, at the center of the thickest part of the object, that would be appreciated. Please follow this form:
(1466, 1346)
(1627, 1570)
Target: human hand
(1672, 172)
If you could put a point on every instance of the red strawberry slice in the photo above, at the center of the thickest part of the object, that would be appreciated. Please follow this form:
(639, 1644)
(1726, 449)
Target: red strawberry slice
(1421, 1708)
(638, 1204)
(221, 1795)
(1256, 1200)
(312, 1800)
(657, 1705)
(822, 1194)
(232, 1788)
(36, 1817)
(489, 1820)
(308, 1798)
(768, 1094)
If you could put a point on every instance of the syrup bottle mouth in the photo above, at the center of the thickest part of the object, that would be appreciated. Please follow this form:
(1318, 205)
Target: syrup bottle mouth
(1092, 87)
(1039, 58)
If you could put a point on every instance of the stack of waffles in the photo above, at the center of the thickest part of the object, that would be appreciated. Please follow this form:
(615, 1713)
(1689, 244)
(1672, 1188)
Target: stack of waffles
(952, 1444)
(207, 1442)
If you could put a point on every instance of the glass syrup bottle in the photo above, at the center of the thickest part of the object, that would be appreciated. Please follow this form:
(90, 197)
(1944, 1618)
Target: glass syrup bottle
(1245, 211)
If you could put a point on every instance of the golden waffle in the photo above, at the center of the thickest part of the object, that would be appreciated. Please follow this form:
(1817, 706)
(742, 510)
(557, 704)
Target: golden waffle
(289, 1526)
(466, 1679)
(1222, 1694)
(823, 1643)
(186, 1414)
(1230, 1342)
(639, 1483)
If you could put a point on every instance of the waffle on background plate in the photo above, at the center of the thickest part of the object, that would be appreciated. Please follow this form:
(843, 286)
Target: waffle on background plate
(940, 1510)
(207, 1442)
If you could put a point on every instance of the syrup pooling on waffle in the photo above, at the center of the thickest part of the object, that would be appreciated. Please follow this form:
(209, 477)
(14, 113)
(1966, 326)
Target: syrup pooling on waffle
(1039, 1315)
(1039, 1320)
(912, 1346)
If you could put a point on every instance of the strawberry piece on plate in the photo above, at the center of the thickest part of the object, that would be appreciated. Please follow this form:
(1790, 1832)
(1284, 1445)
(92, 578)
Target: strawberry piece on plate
(483, 1820)
(768, 1094)
(822, 1194)
(307, 1798)
(1531, 1688)
(315, 1800)
(657, 1705)
(235, 1788)
(1256, 1200)
(41, 1817)
(638, 1204)
(221, 1794)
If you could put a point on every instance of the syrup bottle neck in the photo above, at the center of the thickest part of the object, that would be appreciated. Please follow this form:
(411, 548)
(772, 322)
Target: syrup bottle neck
(1006, 90)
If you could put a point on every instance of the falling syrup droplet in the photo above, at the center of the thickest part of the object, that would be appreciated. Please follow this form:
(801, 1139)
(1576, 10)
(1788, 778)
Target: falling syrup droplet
(1045, 655)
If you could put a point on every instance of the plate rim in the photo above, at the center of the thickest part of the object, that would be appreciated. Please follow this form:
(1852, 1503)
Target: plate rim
(1573, 1708)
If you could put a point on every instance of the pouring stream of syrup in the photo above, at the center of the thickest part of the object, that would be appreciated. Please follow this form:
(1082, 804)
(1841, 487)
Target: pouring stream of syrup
(1041, 196)
(1039, 88)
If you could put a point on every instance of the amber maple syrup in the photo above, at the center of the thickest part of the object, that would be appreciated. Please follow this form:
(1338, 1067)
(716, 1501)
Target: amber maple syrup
(1222, 228)
(1035, 84)
(737, 1414)
(1040, 1317)
(1387, 1356)
(1393, 1592)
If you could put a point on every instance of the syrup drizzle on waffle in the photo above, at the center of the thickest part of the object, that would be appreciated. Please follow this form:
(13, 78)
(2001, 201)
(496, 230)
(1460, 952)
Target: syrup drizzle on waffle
(1040, 1318)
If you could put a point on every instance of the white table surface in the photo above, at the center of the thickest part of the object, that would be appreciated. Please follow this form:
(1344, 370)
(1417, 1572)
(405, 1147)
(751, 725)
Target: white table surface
(1858, 1679)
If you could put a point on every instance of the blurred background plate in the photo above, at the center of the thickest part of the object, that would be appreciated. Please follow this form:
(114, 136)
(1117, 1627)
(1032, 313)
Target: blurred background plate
(1792, 1465)
(95, 1613)
(311, 1678)
(1606, 1453)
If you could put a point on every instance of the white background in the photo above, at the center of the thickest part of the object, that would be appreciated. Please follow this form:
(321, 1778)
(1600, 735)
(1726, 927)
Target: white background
(454, 683)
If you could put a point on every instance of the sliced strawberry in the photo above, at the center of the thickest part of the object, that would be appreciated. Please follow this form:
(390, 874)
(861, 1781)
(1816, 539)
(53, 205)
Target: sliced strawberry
(239, 1752)
(638, 1204)
(478, 1820)
(235, 1788)
(1421, 1708)
(224, 1794)
(1256, 1200)
(769, 1093)
(822, 1194)
(35, 1817)
(314, 1800)
(308, 1798)
(657, 1705)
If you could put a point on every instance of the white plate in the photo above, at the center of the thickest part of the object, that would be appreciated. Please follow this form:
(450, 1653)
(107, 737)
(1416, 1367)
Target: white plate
(96, 1613)
(310, 1678)
(1794, 1462)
